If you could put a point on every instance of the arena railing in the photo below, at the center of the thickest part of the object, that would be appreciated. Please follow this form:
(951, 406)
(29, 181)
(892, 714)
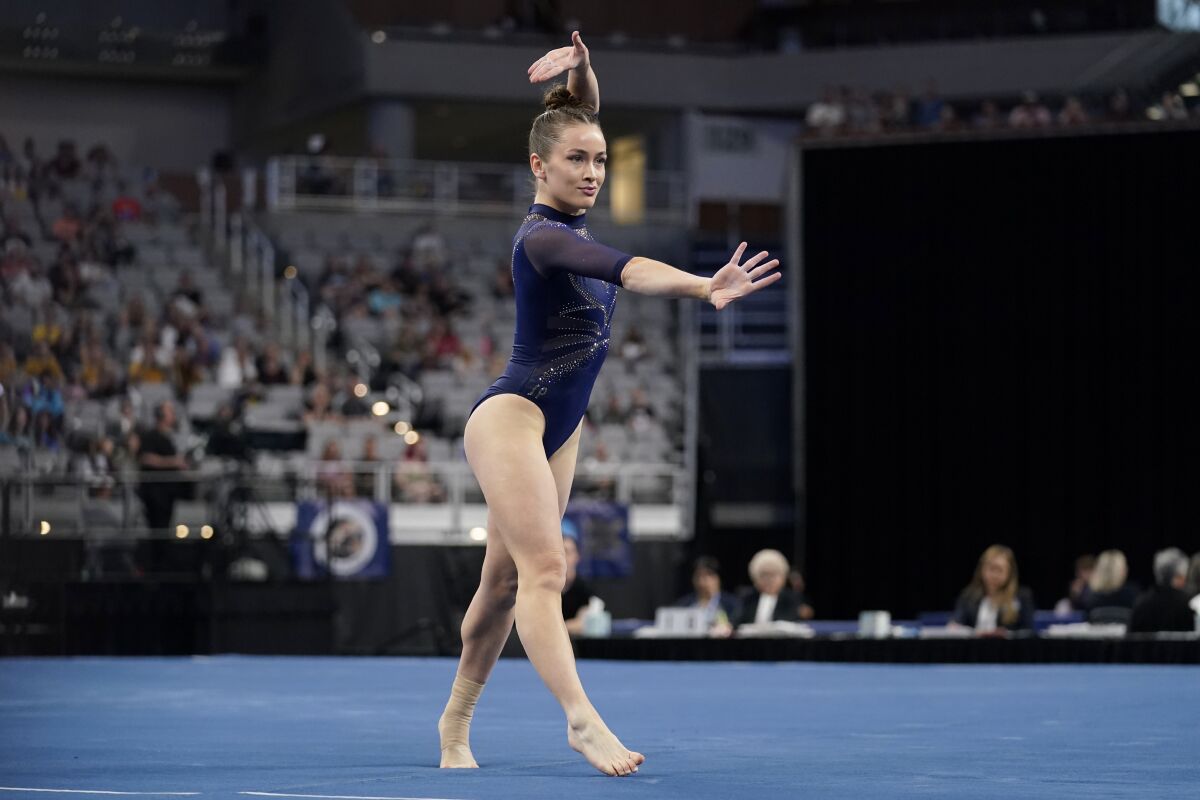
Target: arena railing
(296, 183)
(227, 499)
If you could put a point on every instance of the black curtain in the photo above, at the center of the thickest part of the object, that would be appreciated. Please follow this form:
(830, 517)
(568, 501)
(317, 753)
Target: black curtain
(1002, 347)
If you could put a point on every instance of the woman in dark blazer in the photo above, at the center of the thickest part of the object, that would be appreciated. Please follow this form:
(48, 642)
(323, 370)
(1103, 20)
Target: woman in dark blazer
(994, 601)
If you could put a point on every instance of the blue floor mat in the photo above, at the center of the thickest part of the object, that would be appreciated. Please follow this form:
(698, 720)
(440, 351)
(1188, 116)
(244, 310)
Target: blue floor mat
(242, 727)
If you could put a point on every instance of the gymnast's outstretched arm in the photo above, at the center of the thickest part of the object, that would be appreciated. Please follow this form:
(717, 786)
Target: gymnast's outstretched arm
(581, 80)
(732, 281)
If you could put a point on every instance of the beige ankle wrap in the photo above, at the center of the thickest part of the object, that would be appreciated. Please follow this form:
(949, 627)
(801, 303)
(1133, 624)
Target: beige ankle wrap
(456, 719)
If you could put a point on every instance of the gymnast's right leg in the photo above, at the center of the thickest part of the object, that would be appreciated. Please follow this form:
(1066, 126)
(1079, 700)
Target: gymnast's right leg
(503, 440)
(485, 629)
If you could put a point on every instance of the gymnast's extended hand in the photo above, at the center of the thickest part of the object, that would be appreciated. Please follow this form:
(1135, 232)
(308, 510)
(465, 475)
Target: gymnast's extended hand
(559, 60)
(736, 280)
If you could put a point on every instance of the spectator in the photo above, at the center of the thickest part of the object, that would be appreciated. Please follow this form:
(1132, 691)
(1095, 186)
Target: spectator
(96, 469)
(41, 362)
(320, 405)
(1073, 113)
(65, 164)
(364, 473)
(149, 361)
(414, 481)
(989, 117)
(1119, 107)
(159, 458)
(1108, 587)
(576, 592)
(826, 116)
(614, 413)
(502, 281)
(237, 369)
(1030, 113)
(303, 373)
(721, 607)
(125, 207)
(770, 600)
(796, 583)
(929, 108)
(333, 478)
(353, 400)
(1193, 583)
(995, 601)
(271, 369)
(20, 429)
(1165, 607)
(68, 228)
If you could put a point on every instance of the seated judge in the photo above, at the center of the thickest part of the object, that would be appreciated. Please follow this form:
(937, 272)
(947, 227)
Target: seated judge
(1165, 607)
(994, 603)
(576, 591)
(721, 607)
(771, 600)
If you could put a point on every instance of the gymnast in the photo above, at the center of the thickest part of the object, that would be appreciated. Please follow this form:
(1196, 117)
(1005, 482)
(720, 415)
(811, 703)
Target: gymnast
(522, 436)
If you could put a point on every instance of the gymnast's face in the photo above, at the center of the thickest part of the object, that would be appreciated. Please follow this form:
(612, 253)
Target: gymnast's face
(570, 178)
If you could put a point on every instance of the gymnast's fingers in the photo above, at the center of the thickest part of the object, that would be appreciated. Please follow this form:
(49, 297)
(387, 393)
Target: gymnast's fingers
(763, 269)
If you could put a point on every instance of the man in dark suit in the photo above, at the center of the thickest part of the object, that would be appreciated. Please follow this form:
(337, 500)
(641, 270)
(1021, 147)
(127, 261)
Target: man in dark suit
(1165, 607)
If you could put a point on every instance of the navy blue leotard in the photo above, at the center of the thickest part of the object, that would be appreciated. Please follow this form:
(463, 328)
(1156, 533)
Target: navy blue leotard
(566, 289)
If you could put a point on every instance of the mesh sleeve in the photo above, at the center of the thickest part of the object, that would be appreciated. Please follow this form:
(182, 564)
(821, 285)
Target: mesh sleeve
(553, 248)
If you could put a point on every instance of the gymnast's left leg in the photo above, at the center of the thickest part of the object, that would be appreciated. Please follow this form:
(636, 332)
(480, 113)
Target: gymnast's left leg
(485, 629)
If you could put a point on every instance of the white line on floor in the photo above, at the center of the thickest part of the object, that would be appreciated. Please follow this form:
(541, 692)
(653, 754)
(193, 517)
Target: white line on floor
(95, 791)
(343, 796)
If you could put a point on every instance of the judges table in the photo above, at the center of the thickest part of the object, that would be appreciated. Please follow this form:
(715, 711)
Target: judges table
(839, 641)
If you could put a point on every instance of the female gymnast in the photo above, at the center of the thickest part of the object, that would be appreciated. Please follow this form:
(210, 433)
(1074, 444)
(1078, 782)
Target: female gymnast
(522, 435)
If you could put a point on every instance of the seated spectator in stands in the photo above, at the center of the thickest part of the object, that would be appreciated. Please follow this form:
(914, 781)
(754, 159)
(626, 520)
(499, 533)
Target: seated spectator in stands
(303, 373)
(364, 474)
(771, 599)
(1029, 113)
(8, 363)
(334, 480)
(271, 369)
(1119, 107)
(827, 116)
(96, 469)
(797, 585)
(320, 404)
(502, 280)
(994, 601)
(159, 458)
(352, 400)
(46, 435)
(149, 361)
(1173, 107)
(125, 207)
(66, 281)
(614, 413)
(226, 437)
(31, 287)
(1108, 587)
(44, 395)
(721, 607)
(237, 369)
(1165, 607)
(897, 113)
(186, 288)
(443, 344)
(69, 227)
(929, 109)
(989, 117)
(1073, 113)
(576, 591)
(19, 432)
(633, 346)
(41, 362)
(414, 481)
(65, 164)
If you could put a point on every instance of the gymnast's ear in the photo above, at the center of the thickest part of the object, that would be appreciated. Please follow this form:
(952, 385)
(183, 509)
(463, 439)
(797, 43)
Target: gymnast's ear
(537, 166)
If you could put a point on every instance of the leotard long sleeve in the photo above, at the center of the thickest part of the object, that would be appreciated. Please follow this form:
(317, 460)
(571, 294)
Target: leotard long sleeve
(566, 290)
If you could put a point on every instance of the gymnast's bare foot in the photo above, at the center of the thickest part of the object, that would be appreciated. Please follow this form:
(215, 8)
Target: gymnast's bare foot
(456, 753)
(590, 737)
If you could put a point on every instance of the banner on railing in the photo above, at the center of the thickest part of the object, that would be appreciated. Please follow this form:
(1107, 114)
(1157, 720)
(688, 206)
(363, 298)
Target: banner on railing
(603, 536)
(348, 538)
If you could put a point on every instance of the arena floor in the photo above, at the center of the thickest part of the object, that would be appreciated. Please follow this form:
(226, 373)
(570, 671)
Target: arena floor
(242, 727)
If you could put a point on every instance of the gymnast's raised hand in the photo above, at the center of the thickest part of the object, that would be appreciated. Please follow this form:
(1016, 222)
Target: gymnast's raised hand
(559, 60)
(736, 280)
